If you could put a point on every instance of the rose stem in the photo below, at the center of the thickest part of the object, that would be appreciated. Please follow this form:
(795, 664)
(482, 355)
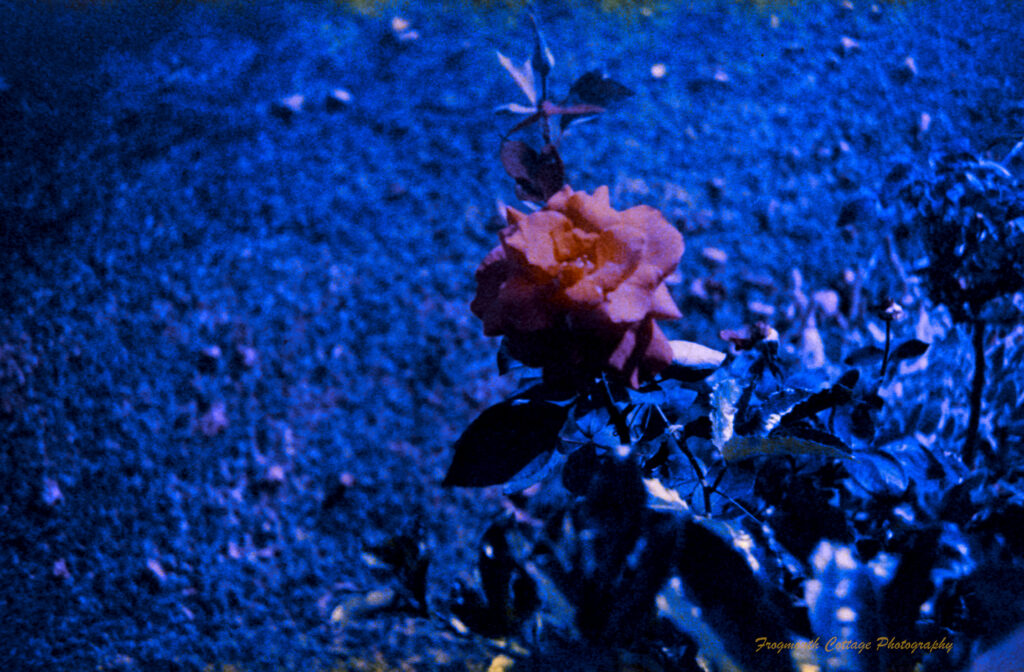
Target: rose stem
(977, 387)
(888, 342)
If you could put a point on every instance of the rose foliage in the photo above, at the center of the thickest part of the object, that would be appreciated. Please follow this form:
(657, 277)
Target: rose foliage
(691, 503)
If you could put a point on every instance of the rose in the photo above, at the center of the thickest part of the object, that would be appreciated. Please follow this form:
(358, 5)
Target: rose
(576, 288)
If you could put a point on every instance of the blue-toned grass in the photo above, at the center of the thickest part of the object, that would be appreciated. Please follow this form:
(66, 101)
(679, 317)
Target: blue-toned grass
(153, 207)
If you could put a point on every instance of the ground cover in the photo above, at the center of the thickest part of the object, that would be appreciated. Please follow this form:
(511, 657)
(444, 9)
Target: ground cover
(236, 344)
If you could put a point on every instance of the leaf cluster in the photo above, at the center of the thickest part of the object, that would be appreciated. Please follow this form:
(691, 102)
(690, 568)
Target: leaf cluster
(697, 491)
(968, 212)
(539, 174)
(752, 496)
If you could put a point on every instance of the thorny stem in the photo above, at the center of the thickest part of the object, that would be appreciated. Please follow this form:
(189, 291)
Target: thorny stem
(695, 465)
(888, 342)
(740, 506)
(977, 387)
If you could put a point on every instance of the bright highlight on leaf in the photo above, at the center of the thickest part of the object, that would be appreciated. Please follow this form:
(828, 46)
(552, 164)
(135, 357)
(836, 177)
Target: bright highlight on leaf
(523, 76)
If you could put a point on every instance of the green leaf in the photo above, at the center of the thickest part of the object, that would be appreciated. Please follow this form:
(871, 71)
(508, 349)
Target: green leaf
(503, 440)
(785, 441)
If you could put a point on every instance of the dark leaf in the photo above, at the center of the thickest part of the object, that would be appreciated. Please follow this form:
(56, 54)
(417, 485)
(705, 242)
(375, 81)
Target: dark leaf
(646, 422)
(496, 565)
(579, 470)
(505, 360)
(503, 440)
(776, 409)
(597, 88)
(843, 597)
(701, 428)
(863, 421)
(510, 593)
(849, 379)
(737, 607)
(543, 60)
(591, 426)
(817, 402)
(878, 473)
(536, 471)
(537, 176)
(593, 89)
(865, 355)
(911, 586)
(911, 349)
(408, 558)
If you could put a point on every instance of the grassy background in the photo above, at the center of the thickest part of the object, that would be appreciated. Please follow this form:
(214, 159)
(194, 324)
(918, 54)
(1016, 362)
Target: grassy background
(165, 507)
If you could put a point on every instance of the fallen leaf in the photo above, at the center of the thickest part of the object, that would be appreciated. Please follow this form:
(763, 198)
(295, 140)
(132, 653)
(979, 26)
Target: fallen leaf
(713, 256)
(286, 108)
(60, 571)
(907, 70)
(51, 492)
(215, 420)
(156, 571)
(848, 45)
(337, 99)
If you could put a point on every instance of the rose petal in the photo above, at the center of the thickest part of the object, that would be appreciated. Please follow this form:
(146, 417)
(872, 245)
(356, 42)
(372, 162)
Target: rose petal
(633, 299)
(658, 354)
(623, 350)
(584, 294)
(525, 305)
(577, 287)
(529, 240)
(559, 199)
(571, 243)
(665, 245)
(617, 253)
(492, 272)
(642, 352)
(663, 306)
(592, 213)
